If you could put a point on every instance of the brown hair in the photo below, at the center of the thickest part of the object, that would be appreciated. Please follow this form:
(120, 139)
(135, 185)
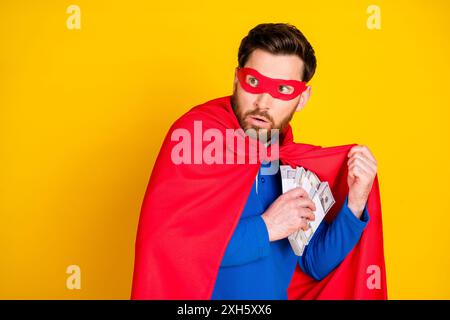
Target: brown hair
(279, 38)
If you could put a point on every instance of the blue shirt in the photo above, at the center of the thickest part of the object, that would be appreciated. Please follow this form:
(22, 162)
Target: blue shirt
(255, 268)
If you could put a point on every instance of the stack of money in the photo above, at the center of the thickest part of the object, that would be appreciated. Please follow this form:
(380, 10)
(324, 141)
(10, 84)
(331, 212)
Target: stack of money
(319, 192)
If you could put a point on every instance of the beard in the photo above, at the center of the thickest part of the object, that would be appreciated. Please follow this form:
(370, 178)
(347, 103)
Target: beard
(245, 125)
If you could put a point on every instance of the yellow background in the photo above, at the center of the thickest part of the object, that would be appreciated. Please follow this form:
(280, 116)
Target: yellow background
(83, 114)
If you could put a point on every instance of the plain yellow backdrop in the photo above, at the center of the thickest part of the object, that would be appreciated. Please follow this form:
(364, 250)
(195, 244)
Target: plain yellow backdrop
(83, 114)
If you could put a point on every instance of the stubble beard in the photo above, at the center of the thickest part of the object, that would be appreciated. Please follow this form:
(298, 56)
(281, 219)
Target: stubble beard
(260, 132)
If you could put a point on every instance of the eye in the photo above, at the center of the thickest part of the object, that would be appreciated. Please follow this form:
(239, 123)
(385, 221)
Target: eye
(252, 81)
(285, 89)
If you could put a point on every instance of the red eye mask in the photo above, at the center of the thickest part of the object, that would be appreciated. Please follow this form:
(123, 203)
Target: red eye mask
(254, 82)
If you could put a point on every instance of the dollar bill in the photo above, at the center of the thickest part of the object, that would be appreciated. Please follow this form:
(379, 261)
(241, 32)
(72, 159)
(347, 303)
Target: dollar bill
(299, 175)
(314, 181)
(287, 178)
(319, 192)
(325, 196)
(297, 244)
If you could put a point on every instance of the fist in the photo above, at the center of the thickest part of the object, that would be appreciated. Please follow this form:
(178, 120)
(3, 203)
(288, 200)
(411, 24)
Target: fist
(362, 169)
(288, 213)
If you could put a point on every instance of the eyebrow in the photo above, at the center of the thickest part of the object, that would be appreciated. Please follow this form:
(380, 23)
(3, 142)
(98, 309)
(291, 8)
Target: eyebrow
(276, 78)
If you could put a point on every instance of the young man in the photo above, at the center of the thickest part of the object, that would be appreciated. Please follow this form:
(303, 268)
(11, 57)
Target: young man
(242, 244)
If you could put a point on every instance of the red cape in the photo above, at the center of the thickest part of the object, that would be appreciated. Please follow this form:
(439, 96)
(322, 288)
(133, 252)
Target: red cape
(190, 211)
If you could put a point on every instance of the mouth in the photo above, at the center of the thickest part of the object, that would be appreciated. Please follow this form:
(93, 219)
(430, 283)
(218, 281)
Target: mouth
(259, 121)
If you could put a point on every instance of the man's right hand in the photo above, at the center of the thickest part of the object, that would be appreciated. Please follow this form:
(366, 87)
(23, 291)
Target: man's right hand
(290, 212)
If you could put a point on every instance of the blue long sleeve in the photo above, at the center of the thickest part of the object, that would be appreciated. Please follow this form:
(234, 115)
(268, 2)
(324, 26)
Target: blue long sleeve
(249, 242)
(331, 243)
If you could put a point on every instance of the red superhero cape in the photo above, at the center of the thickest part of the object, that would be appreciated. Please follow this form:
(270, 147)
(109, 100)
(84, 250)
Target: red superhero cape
(190, 211)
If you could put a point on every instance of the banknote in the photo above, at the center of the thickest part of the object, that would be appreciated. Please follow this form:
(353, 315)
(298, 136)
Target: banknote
(318, 191)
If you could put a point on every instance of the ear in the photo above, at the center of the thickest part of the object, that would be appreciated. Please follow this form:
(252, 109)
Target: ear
(304, 97)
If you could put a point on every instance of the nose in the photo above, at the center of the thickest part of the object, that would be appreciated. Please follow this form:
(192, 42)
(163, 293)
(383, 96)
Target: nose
(264, 101)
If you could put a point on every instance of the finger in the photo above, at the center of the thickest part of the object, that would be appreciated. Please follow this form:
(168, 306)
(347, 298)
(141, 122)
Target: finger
(353, 150)
(305, 225)
(305, 203)
(357, 171)
(307, 214)
(364, 150)
(359, 168)
(366, 164)
(357, 148)
(364, 157)
(298, 192)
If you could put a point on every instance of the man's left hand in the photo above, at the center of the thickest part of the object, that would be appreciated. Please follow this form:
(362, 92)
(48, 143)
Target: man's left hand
(362, 169)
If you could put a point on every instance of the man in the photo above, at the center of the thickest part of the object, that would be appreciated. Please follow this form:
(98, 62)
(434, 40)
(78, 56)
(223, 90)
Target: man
(254, 260)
